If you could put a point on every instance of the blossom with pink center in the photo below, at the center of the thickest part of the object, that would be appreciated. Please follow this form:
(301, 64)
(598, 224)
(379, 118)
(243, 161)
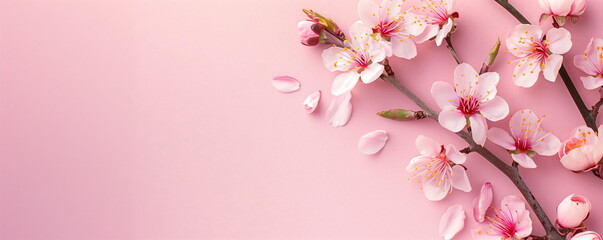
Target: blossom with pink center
(471, 101)
(526, 139)
(438, 169)
(510, 221)
(439, 17)
(394, 25)
(537, 53)
(361, 61)
(591, 63)
(562, 9)
(583, 151)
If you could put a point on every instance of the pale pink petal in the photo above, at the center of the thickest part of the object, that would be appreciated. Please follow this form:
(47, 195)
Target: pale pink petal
(368, 11)
(514, 204)
(452, 119)
(311, 101)
(583, 63)
(344, 82)
(391, 8)
(495, 109)
(479, 126)
(465, 78)
(552, 66)
(340, 110)
(526, 72)
(427, 146)
(285, 84)
(523, 226)
(578, 8)
(546, 145)
(591, 82)
(560, 40)
(435, 190)
(524, 160)
(337, 59)
(430, 32)
(482, 202)
(501, 138)
(371, 73)
(452, 221)
(443, 33)
(486, 89)
(444, 95)
(411, 24)
(587, 235)
(517, 42)
(579, 159)
(454, 155)
(560, 8)
(416, 163)
(522, 123)
(459, 179)
(404, 47)
(372, 142)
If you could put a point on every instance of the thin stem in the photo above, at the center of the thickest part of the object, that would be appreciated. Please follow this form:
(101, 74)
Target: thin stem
(452, 50)
(513, 11)
(511, 172)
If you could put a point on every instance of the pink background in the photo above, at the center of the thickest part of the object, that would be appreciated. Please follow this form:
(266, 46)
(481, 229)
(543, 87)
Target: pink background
(157, 120)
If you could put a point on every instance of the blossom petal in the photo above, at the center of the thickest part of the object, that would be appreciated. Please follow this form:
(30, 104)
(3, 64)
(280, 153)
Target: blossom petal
(495, 109)
(501, 138)
(285, 84)
(344, 82)
(368, 11)
(560, 40)
(311, 101)
(443, 33)
(337, 59)
(435, 190)
(546, 145)
(486, 89)
(454, 155)
(411, 24)
(523, 223)
(452, 119)
(372, 142)
(430, 32)
(526, 72)
(482, 202)
(452, 221)
(524, 160)
(427, 146)
(465, 78)
(516, 39)
(444, 95)
(579, 159)
(588, 62)
(459, 179)
(587, 235)
(479, 126)
(592, 83)
(371, 73)
(340, 110)
(552, 66)
(404, 47)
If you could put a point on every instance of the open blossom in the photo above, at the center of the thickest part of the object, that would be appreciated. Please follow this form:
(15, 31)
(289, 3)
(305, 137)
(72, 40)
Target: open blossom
(526, 139)
(395, 26)
(562, 9)
(359, 62)
(572, 211)
(583, 151)
(473, 98)
(439, 17)
(509, 222)
(588, 235)
(437, 169)
(537, 53)
(591, 63)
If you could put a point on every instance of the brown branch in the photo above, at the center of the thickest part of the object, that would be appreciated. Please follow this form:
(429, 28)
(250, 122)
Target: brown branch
(597, 106)
(452, 50)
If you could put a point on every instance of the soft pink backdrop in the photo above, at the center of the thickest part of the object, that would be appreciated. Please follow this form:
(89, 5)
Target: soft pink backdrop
(125, 119)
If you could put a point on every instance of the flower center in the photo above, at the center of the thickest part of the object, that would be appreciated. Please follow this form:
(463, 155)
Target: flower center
(540, 50)
(523, 144)
(386, 28)
(468, 105)
(572, 144)
(503, 223)
(361, 61)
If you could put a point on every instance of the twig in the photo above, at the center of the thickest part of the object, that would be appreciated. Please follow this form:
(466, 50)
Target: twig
(513, 11)
(452, 51)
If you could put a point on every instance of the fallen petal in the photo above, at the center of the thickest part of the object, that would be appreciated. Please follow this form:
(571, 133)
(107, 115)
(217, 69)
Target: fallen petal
(285, 84)
(340, 110)
(372, 142)
(452, 221)
(482, 202)
(311, 101)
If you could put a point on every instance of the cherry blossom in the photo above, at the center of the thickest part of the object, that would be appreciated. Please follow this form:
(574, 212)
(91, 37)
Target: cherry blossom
(527, 138)
(583, 151)
(562, 9)
(587, 235)
(439, 17)
(537, 53)
(509, 222)
(572, 211)
(438, 169)
(471, 101)
(591, 63)
(361, 61)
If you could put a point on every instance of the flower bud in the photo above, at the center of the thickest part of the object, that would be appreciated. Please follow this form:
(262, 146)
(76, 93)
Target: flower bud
(402, 114)
(327, 23)
(493, 53)
(307, 36)
(572, 211)
(562, 10)
(588, 235)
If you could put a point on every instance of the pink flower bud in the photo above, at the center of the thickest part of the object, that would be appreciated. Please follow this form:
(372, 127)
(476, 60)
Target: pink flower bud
(307, 35)
(572, 211)
(578, 8)
(588, 235)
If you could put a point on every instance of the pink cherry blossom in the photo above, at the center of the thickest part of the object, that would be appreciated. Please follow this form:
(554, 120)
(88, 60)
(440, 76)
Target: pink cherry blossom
(563, 8)
(588, 235)
(482, 202)
(438, 169)
(509, 222)
(439, 17)
(537, 53)
(583, 151)
(372, 142)
(309, 32)
(393, 24)
(359, 62)
(591, 63)
(311, 101)
(452, 221)
(572, 211)
(526, 139)
(472, 99)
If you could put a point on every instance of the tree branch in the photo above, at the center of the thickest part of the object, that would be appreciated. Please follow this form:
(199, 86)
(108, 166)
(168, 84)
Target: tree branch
(452, 50)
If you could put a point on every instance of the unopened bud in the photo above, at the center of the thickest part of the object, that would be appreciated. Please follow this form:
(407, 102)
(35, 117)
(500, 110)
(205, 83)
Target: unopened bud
(493, 53)
(327, 23)
(402, 114)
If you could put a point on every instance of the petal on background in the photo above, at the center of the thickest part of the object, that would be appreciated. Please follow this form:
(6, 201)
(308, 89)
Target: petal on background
(479, 128)
(592, 83)
(372, 142)
(344, 82)
(285, 84)
(524, 160)
(482, 202)
(454, 155)
(452, 221)
(340, 110)
(311, 101)
(501, 138)
(459, 179)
